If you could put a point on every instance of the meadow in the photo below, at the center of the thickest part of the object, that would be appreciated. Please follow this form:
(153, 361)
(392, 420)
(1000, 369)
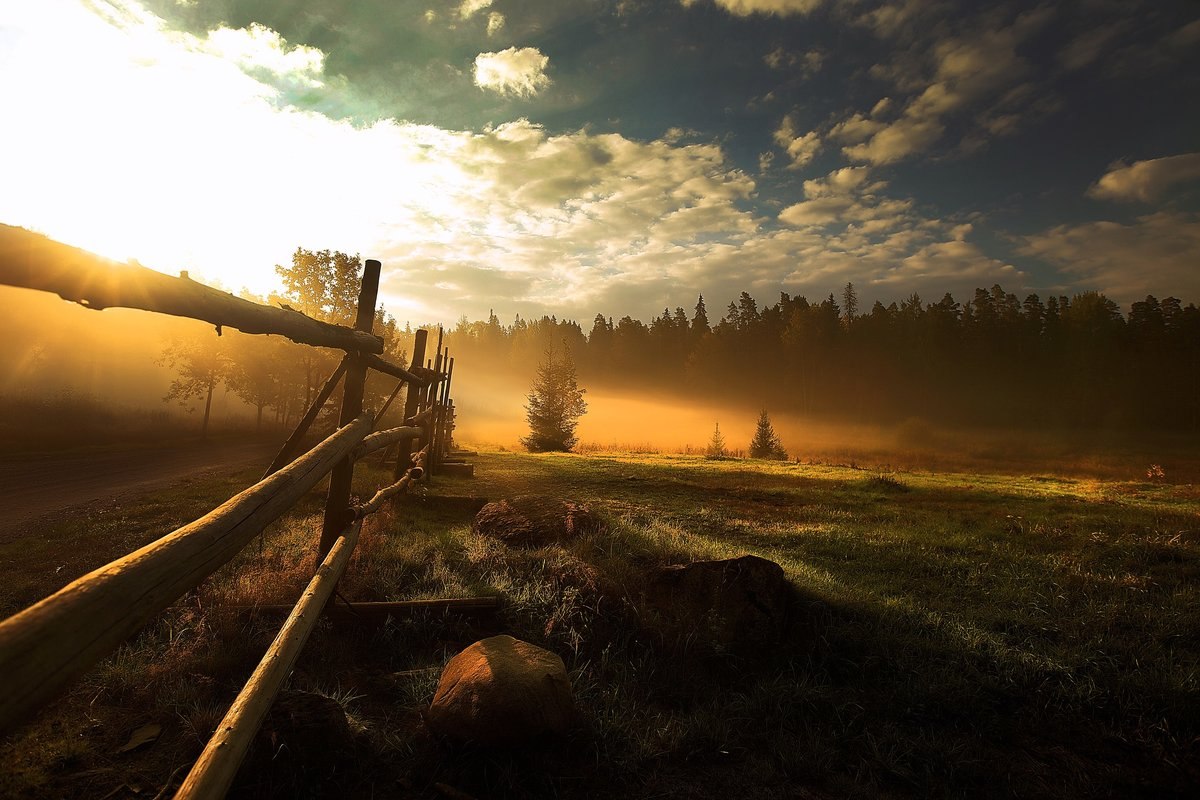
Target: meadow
(965, 634)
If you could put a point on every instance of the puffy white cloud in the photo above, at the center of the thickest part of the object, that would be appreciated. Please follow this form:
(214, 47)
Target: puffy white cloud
(1146, 180)
(839, 182)
(801, 148)
(260, 50)
(855, 129)
(515, 71)
(495, 23)
(469, 8)
(1154, 254)
(967, 70)
(897, 141)
(744, 8)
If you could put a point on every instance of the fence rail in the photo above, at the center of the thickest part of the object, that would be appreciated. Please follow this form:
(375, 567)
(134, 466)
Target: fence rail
(54, 641)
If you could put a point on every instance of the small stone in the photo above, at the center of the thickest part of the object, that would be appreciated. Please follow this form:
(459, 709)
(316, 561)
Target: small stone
(502, 692)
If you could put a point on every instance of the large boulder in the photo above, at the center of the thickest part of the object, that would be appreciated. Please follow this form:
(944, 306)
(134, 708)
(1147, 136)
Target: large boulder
(534, 520)
(729, 603)
(502, 692)
(304, 737)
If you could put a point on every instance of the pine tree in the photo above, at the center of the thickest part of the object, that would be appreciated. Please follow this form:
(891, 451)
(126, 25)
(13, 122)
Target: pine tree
(766, 443)
(850, 301)
(700, 320)
(716, 445)
(555, 405)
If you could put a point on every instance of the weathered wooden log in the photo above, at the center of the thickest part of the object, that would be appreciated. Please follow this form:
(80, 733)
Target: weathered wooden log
(54, 641)
(382, 439)
(288, 451)
(399, 487)
(32, 261)
(337, 501)
(421, 420)
(421, 377)
(213, 773)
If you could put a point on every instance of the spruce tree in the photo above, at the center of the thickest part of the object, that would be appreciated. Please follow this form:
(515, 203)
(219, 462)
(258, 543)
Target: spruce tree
(716, 445)
(555, 404)
(766, 443)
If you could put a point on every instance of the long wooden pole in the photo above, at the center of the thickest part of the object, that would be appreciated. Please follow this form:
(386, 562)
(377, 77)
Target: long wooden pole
(56, 640)
(337, 503)
(293, 442)
(32, 261)
(214, 771)
(381, 439)
(411, 403)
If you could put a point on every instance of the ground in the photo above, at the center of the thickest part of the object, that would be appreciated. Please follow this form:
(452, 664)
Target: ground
(970, 634)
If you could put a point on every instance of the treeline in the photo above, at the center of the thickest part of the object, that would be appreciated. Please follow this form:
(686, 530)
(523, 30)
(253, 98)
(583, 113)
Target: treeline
(992, 360)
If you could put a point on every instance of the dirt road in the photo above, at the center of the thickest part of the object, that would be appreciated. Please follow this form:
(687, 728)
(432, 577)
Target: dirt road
(37, 487)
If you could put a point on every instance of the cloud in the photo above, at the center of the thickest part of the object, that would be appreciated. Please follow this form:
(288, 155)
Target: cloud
(495, 23)
(967, 69)
(856, 129)
(515, 71)
(469, 8)
(892, 19)
(801, 148)
(807, 63)
(1145, 181)
(744, 8)
(1090, 45)
(839, 182)
(1155, 254)
(261, 51)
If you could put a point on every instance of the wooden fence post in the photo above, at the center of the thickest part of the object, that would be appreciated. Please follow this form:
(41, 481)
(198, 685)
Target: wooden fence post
(337, 505)
(443, 417)
(412, 400)
(430, 398)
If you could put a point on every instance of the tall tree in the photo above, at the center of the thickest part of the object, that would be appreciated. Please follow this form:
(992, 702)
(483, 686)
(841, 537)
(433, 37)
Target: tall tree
(700, 324)
(850, 303)
(765, 443)
(555, 404)
(201, 365)
(716, 445)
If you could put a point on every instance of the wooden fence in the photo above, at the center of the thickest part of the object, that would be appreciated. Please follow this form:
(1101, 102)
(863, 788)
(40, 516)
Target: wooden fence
(55, 641)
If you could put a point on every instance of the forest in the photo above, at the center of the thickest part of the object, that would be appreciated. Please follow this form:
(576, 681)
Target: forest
(990, 360)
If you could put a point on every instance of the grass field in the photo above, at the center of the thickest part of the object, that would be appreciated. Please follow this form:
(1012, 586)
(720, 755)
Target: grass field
(976, 635)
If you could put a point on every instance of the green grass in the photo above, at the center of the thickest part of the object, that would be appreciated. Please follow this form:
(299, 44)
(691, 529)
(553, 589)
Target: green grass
(977, 635)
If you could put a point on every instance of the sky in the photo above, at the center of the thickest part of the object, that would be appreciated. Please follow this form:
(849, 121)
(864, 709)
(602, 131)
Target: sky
(575, 157)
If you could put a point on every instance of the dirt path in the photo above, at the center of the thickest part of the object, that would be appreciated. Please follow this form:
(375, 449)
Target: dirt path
(34, 488)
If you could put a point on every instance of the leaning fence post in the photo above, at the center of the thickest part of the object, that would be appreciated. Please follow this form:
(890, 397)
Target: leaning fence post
(430, 398)
(337, 504)
(412, 400)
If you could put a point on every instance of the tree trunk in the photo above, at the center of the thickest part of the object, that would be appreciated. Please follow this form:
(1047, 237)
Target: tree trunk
(207, 408)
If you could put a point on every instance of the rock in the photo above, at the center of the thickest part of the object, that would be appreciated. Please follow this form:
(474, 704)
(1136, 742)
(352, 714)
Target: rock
(533, 520)
(728, 603)
(502, 692)
(306, 730)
